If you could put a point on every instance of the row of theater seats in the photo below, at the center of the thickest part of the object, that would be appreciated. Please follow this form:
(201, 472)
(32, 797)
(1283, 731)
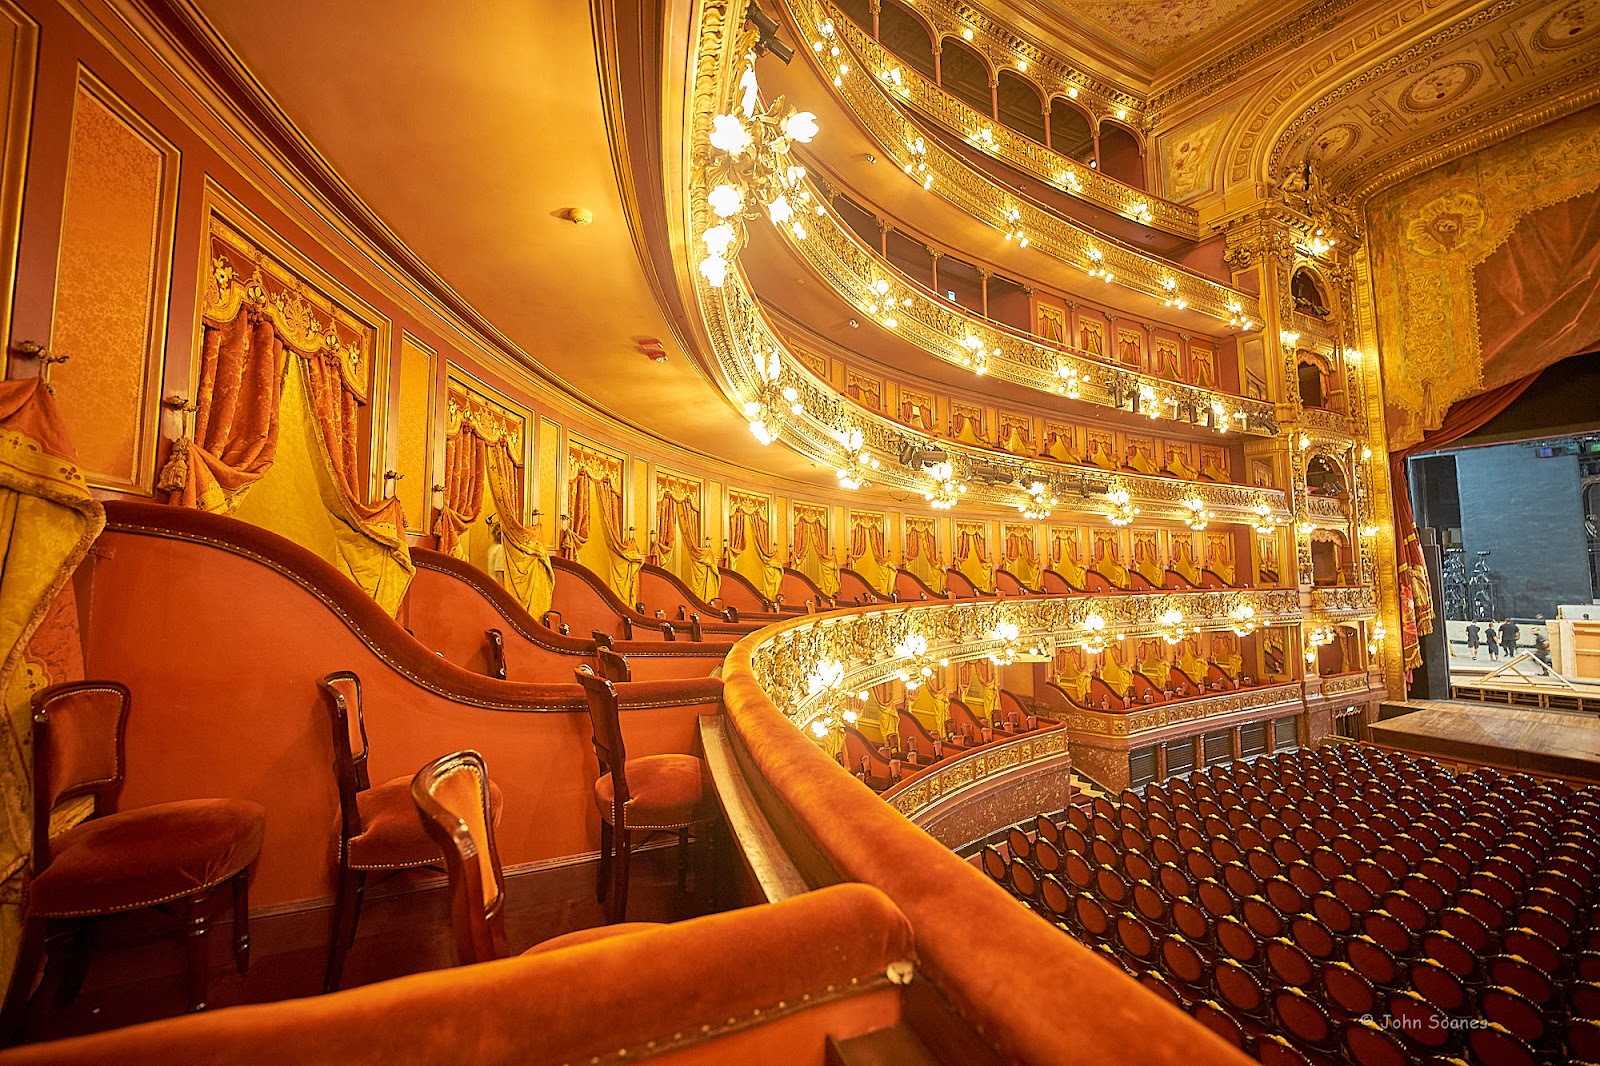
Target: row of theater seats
(1343, 905)
(914, 751)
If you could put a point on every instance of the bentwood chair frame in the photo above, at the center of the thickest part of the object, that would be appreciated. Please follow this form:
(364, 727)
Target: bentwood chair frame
(192, 909)
(463, 827)
(616, 843)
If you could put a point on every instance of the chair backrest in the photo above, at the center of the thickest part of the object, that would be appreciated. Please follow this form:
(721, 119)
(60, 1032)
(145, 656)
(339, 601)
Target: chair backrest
(606, 723)
(341, 694)
(78, 732)
(613, 666)
(452, 795)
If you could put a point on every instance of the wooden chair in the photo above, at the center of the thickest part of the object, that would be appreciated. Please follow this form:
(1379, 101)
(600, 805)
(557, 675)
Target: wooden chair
(167, 853)
(652, 794)
(455, 801)
(379, 830)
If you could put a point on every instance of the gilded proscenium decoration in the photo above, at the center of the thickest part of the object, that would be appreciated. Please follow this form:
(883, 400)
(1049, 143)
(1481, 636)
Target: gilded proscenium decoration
(991, 760)
(787, 663)
(970, 190)
(744, 343)
(1344, 603)
(875, 287)
(998, 141)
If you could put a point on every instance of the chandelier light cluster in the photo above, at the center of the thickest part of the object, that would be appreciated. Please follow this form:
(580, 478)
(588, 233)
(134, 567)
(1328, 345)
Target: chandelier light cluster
(1244, 620)
(1097, 265)
(1170, 286)
(753, 173)
(1040, 500)
(1014, 230)
(1172, 627)
(1123, 510)
(883, 302)
(977, 356)
(1094, 638)
(1266, 522)
(1198, 517)
(1237, 317)
(916, 665)
(774, 401)
(947, 489)
(860, 464)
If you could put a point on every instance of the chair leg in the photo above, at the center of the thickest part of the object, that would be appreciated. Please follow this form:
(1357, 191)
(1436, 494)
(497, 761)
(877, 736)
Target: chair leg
(344, 927)
(83, 937)
(30, 954)
(618, 910)
(683, 858)
(241, 920)
(602, 877)
(199, 960)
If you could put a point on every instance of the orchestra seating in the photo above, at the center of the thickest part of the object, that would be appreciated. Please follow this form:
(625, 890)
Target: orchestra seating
(1346, 904)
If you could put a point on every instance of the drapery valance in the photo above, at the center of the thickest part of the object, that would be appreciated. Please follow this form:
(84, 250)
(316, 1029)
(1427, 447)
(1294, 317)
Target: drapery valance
(48, 521)
(922, 553)
(972, 556)
(750, 552)
(594, 535)
(261, 366)
(811, 554)
(481, 457)
(869, 554)
(680, 546)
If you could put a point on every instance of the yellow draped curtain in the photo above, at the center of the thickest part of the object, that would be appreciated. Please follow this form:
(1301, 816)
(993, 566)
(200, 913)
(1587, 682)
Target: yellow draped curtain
(931, 706)
(1108, 561)
(811, 553)
(1219, 555)
(1147, 559)
(680, 545)
(266, 387)
(1022, 559)
(1114, 670)
(750, 550)
(1064, 558)
(979, 689)
(48, 521)
(1067, 671)
(868, 554)
(594, 535)
(922, 553)
(483, 462)
(1183, 563)
(972, 557)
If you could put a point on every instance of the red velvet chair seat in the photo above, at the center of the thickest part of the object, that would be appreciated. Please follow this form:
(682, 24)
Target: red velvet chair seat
(664, 792)
(147, 855)
(589, 936)
(392, 836)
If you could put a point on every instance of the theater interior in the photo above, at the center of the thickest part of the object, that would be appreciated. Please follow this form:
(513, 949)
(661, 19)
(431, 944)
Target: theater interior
(789, 531)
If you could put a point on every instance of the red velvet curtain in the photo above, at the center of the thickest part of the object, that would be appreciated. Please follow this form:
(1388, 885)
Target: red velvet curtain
(236, 422)
(1416, 597)
(1531, 310)
(465, 456)
(581, 497)
(808, 528)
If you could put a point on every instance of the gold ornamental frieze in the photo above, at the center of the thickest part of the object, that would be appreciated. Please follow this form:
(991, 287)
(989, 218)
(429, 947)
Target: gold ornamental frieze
(1133, 722)
(968, 770)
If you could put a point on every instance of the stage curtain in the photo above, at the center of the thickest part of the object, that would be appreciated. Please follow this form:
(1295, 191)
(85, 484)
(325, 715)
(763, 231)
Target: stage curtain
(972, 559)
(1416, 596)
(595, 537)
(249, 386)
(867, 557)
(812, 555)
(1021, 559)
(922, 556)
(750, 553)
(48, 521)
(679, 546)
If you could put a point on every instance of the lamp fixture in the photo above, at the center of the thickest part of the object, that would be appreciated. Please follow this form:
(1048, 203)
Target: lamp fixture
(1172, 627)
(1170, 285)
(774, 401)
(1266, 522)
(1040, 501)
(1096, 267)
(753, 172)
(947, 489)
(1198, 517)
(1244, 619)
(860, 462)
(1122, 510)
(1014, 227)
(1094, 628)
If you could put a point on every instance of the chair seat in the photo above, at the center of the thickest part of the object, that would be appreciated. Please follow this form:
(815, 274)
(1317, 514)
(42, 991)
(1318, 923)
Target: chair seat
(664, 792)
(146, 856)
(588, 936)
(392, 836)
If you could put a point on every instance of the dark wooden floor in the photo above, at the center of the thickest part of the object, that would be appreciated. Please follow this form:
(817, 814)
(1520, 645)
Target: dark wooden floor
(137, 971)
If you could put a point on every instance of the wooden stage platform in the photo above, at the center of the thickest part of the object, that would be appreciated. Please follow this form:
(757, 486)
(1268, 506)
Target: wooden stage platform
(1549, 743)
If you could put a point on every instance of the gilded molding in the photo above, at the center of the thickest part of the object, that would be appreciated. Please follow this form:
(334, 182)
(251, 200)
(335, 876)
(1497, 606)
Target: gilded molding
(990, 761)
(1132, 723)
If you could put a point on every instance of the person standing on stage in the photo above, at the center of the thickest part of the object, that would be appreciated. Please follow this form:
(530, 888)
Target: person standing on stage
(1491, 642)
(1472, 638)
(1508, 637)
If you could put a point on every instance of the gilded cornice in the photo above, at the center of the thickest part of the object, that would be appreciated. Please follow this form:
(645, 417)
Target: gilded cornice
(1130, 723)
(988, 762)
(975, 193)
(994, 139)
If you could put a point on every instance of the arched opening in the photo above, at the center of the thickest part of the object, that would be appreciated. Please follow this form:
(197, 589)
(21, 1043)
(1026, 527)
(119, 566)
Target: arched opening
(1121, 157)
(1324, 478)
(1310, 383)
(1071, 134)
(904, 35)
(965, 75)
(858, 11)
(1330, 558)
(1021, 106)
(1308, 296)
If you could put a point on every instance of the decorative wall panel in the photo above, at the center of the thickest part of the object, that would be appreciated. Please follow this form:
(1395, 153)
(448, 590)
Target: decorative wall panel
(414, 432)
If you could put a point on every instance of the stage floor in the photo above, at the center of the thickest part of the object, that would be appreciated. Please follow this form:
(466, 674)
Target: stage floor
(1547, 742)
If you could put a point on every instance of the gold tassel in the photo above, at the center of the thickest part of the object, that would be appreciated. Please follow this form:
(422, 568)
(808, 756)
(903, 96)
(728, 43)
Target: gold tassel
(175, 475)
